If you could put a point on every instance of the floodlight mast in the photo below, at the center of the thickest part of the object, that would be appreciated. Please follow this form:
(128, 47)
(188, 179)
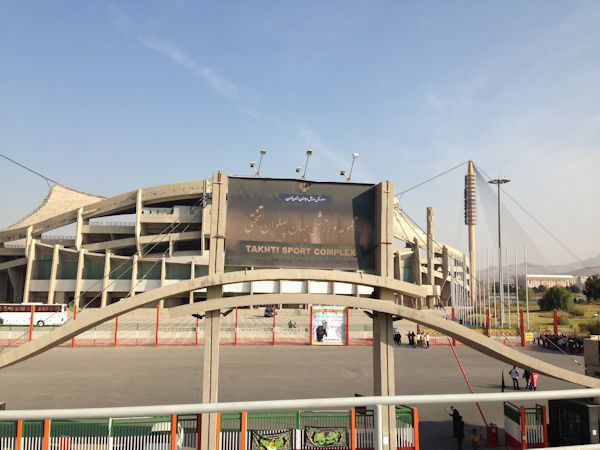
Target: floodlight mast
(498, 182)
(348, 175)
(299, 170)
(263, 152)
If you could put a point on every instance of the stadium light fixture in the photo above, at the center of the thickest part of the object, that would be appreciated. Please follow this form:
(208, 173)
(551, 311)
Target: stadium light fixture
(348, 175)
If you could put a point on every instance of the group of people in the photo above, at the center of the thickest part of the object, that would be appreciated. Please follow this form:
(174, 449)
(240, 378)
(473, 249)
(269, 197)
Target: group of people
(458, 429)
(418, 339)
(569, 344)
(530, 377)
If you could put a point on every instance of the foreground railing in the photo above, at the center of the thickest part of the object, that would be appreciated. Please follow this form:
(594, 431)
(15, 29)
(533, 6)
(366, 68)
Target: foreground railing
(177, 426)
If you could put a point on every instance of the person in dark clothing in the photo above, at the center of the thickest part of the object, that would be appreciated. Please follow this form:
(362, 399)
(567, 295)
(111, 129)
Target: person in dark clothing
(456, 417)
(321, 331)
(460, 433)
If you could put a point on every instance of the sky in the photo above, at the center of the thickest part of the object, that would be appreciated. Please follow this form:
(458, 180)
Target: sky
(107, 97)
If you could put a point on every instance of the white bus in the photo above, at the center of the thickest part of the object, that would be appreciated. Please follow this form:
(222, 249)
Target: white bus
(43, 314)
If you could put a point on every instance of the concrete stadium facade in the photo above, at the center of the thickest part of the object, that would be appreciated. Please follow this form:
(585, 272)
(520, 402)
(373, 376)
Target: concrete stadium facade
(173, 253)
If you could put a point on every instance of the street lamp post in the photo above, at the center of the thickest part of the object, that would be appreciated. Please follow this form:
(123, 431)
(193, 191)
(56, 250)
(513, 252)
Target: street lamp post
(498, 182)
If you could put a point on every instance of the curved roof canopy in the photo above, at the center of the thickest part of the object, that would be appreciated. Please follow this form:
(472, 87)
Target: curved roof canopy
(60, 199)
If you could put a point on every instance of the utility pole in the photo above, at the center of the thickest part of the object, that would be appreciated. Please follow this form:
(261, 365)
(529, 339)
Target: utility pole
(498, 182)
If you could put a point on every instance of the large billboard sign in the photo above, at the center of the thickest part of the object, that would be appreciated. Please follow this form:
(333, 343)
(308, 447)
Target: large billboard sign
(296, 223)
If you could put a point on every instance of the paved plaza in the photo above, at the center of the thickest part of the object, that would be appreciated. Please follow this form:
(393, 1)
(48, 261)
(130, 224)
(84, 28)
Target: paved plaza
(97, 377)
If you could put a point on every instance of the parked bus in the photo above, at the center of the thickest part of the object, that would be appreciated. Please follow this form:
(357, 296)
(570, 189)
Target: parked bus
(20, 314)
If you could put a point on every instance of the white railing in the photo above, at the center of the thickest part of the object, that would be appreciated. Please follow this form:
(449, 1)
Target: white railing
(301, 404)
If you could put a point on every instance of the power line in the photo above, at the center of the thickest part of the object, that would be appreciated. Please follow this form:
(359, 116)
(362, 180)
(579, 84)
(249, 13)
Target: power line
(431, 179)
(540, 224)
(29, 169)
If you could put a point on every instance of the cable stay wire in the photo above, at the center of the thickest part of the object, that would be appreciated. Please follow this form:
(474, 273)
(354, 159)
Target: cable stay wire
(479, 283)
(168, 229)
(29, 169)
(538, 222)
(430, 179)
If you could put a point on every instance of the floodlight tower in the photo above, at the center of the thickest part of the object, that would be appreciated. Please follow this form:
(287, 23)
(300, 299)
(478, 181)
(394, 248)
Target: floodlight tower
(471, 221)
(348, 176)
(498, 182)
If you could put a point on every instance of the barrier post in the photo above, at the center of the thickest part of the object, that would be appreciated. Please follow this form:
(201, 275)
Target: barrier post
(235, 328)
(243, 429)
(31, 322)
(545, 426)
(115, 341)
(555, 321)
(156, 328)
(218, 439)
(522, 327)
(199, 431)
(487, 321)
(273, 324)
(197, 325)
(523, 428)
(453, 320)
(174, 432)
(416, 427)
(74, 318)
(46, 444)
(310, 326)
(347, 326)
(19, 443)
(353, 429)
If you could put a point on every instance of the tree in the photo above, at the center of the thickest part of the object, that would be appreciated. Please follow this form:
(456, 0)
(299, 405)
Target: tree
(540, 289)
(591, 288)
(557, 297)
(574, 289)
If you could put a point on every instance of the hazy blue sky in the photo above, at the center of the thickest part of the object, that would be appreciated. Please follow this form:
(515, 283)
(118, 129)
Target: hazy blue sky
(111, 96)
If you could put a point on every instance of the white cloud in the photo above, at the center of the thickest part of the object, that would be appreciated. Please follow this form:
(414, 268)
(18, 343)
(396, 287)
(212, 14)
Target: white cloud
(179, 57)
(435, 103)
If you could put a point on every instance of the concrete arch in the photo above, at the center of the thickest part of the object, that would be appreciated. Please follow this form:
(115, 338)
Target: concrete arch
(470, 338)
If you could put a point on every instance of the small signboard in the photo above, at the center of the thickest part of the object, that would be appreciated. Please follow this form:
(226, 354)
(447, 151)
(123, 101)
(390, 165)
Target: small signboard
(328, 325)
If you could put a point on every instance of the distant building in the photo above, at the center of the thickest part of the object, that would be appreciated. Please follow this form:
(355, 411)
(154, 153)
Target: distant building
(551, 280)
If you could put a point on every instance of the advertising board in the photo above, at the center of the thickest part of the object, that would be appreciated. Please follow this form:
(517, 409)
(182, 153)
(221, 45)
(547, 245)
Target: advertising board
(328, 325)
(297, 223)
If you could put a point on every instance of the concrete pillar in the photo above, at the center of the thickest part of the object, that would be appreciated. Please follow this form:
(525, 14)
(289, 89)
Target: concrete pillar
(79, 277)
(212, 320)
(163, 277)
(134, 275)
(430, 255)
(205, 217)
(53, 272)
(105, 279)
(29, 270)
(28, 238)
(16, 280)
(192, 276)
(138, 222)
(445, 293)
(79, 229)
(383, 345)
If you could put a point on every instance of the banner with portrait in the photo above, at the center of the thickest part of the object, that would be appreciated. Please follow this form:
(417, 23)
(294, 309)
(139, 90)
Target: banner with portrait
(297, 223)
(328, 325)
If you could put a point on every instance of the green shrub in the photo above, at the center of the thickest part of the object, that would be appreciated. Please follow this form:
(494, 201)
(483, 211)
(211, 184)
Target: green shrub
(589, 327)
(557, 297)
(563, 319)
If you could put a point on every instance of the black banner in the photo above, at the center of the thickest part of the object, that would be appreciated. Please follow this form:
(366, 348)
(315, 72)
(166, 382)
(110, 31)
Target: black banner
(295, 223)
(271, 440)
(325, 438)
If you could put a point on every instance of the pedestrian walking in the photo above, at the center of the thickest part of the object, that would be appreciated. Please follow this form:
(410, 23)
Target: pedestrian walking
(426, 340)
(514, 374)
(533, 382)
(526, 377)
(456, 417)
